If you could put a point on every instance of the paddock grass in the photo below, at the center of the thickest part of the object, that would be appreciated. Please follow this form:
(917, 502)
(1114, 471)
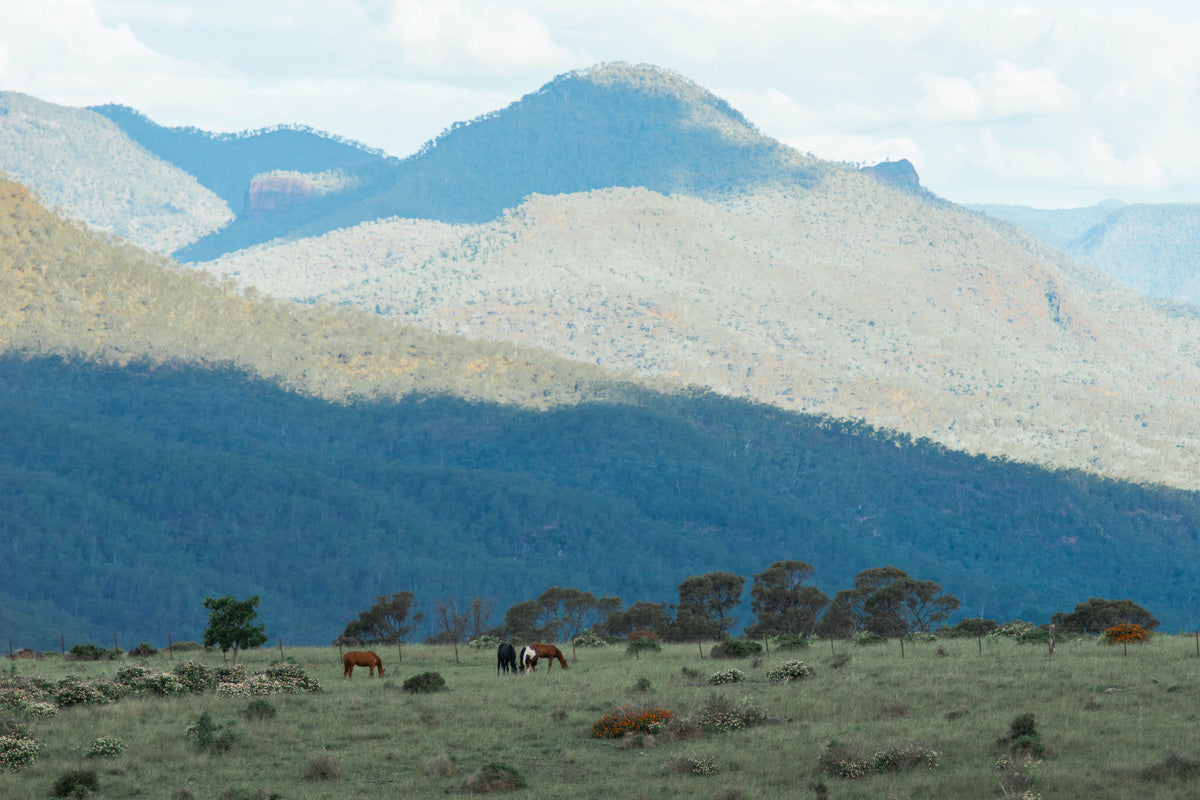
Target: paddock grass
(1105, 718)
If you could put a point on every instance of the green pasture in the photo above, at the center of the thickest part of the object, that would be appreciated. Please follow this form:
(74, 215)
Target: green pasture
(1114, 724)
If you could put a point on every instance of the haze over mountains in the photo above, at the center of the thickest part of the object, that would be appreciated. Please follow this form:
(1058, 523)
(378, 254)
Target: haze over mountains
(619, 218)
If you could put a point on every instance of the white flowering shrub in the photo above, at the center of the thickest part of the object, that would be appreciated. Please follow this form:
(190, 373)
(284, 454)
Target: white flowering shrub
(105, 747)
(227, 673)
(589, 638)
(733, 675)
(291, 678)
(484, 642)
(903, 757)
(195, 677)
(721, 715)
(787, 671)
(18, 751)
(71, 691)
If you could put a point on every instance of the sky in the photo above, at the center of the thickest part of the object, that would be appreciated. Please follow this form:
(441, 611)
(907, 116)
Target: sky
(1052, 104)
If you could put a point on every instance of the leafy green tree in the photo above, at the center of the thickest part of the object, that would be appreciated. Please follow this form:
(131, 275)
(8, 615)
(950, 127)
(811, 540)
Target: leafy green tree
(1097, 614)
(783, 603)
(229, 624)
(887, 602)
(704, 604)
(642, 616)
(384, 622)
(521, 621)
(564, 611)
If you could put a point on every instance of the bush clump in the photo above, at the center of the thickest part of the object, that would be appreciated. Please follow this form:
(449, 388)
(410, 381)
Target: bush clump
(77, 783)
(1173, 766)
(71, 691)
(630, 719)
(904, 757)
(732, 675)
(105, 747)
(89, 652)
(1126, 633)
(589, 638)
(789, 641)
(484, 642)
(211, 737)
(735, 648)
(195, 677)
(259, 709)
(719, 714)
(1023, 737)
(18, 748)
(425, 683)
(495, 777)
(788, 671)
(322, 767)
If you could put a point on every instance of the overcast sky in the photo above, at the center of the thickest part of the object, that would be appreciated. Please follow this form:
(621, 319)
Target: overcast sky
(1052, 104)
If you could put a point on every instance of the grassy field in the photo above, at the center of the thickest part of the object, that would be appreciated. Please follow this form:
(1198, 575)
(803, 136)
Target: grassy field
(1106, 719)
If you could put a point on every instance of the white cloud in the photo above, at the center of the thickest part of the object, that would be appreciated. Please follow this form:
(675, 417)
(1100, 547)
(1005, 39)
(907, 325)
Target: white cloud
(1006, 90)
(460, 35)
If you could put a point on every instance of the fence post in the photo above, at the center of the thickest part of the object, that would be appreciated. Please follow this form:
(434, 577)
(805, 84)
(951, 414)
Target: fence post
(1051, 639)
(281, 648)
(116, 646)
(831, 653)
(979, 638)
(902, 647)
(62, 641)
(700, 648)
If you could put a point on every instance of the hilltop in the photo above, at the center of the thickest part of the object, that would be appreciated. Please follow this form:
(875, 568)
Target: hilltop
(83, 164)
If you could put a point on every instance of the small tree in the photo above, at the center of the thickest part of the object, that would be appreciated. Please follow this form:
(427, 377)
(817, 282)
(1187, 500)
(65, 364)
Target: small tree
(705, 602)
(457, 626)
(229, 624)
(384, 622)
(887, 602)
(1098, 614)
(782, 603)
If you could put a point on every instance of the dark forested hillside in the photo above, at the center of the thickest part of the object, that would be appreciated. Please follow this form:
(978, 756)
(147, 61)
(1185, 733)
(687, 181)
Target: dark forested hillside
(609, 126)
(128, 495)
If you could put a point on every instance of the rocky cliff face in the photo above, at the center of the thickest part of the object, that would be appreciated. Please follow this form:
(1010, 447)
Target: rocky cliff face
(268, 193)
(901, 174)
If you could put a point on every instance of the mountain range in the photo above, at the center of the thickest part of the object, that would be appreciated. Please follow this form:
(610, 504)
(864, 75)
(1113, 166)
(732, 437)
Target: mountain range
(610, 319)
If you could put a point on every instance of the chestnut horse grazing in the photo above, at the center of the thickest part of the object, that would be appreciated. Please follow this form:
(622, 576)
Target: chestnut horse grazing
(548, 652)
(506, 657)
(361, 658)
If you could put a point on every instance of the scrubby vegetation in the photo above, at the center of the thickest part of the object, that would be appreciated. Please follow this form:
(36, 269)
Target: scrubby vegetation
(1106, 727)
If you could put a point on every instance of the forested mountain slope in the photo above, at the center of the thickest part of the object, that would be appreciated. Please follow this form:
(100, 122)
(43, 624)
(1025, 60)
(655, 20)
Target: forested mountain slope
(163, 439)
(611, 125)
(83, 164)
(850, 299)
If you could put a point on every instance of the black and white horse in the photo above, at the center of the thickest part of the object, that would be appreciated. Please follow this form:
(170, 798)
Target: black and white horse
(506, 658)
(529, 659)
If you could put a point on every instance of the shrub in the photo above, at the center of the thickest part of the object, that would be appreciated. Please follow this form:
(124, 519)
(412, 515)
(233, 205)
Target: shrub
(721, 715)
(231, 673)
(142, 650)
(1023, 737)
(1173, 766)
(105, 747)
(1011, 630)
(920, 636)
(843, 760)
(787, 671)
(195, 677)
(291, 678)
(732, 675)
(589, 638)
(323, 767)
(212, 737)
(789, 641)
(71, 691)
(642, 644)
(442, 766)
(425, 683)
(133, 673)
(903, 757)
(89, 652)
(692, 765)
(495, 777)
(18, 749)
(1126, 633)
(485, 642)
(643, 684)
(735, 648)
(79, 783)
(630, 719)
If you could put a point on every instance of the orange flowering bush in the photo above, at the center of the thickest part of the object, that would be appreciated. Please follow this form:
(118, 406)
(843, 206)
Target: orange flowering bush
(628, 719)
(1126, 632)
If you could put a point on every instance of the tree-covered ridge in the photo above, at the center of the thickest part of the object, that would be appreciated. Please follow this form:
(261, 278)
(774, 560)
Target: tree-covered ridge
(850, 299)
(65, 290)
(131, 494)
(611, 126)
(83, 164)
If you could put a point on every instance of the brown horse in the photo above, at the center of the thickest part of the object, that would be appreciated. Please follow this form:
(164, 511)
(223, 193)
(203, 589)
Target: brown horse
(548, 652)
(361, 658)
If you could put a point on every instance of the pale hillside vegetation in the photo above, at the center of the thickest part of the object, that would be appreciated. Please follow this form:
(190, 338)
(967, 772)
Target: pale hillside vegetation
(849, 299)
(66, 291)
(84, 165)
